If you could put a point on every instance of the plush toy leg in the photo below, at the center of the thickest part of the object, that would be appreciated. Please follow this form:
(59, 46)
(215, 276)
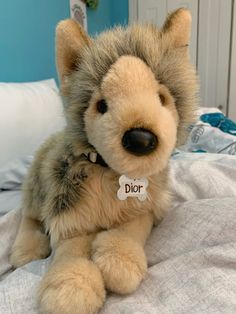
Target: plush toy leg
(120, 255)
(73, 284)
(30, 244)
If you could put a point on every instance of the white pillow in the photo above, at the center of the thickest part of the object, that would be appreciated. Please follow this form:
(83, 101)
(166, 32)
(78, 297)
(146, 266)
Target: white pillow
(13, 173)
(30, 112)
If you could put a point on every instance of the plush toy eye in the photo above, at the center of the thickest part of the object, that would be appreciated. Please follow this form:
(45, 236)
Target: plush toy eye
(162, 99)
(102, 106)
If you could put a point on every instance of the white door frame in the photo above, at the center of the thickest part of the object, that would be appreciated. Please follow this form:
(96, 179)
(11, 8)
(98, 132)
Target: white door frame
(133, 11)
(232, 77)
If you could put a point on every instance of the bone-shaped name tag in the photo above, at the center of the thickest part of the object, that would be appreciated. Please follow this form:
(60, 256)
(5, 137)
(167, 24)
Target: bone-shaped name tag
(132, 188)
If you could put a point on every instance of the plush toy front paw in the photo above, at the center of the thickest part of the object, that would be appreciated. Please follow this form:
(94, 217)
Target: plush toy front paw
(71, 286)
(121, 260)
(29, 246)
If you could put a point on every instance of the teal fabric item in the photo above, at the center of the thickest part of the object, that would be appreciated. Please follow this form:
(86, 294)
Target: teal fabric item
(199, 151)
(219, 120)
(213, 133)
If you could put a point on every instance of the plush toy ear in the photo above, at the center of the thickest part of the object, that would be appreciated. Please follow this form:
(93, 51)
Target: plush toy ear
(70, 39)
(178, 27)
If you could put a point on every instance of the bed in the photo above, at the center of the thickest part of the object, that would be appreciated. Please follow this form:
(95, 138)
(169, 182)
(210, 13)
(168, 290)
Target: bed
(191, 253)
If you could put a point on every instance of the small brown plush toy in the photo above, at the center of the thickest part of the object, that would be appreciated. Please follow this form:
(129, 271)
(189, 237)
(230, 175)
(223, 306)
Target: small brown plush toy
(96, 187)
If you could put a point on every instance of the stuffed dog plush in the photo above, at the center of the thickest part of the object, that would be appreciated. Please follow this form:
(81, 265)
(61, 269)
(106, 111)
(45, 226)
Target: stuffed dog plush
(94, 190)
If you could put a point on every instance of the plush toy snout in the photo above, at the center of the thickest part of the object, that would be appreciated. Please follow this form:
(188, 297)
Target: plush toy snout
(139, 141)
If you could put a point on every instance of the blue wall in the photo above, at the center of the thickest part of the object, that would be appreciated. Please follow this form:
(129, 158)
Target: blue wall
(108, 14)
(27, 31)
(119, 12)
(100, 18)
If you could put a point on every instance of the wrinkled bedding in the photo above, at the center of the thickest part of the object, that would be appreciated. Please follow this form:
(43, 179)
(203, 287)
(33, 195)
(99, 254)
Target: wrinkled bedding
(191, 253)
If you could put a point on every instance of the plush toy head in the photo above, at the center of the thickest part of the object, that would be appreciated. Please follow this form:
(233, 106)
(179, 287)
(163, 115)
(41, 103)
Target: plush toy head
(130, 93)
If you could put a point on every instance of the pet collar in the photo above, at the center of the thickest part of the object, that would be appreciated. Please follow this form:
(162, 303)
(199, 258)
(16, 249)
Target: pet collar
(95, 158)
(128, 187)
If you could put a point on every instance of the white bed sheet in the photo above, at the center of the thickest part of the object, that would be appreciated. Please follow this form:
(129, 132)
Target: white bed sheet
(9, 200)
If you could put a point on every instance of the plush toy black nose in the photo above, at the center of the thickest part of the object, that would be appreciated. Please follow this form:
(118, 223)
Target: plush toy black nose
(139, 141)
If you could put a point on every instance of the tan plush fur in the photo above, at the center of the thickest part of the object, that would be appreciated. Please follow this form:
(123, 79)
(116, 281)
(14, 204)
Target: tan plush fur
(147, 81)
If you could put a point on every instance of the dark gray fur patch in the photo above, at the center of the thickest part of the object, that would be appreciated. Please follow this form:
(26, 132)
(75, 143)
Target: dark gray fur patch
(70, 196)
(62, 169)
(68, 183)
(79, 177)
(62, 202)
